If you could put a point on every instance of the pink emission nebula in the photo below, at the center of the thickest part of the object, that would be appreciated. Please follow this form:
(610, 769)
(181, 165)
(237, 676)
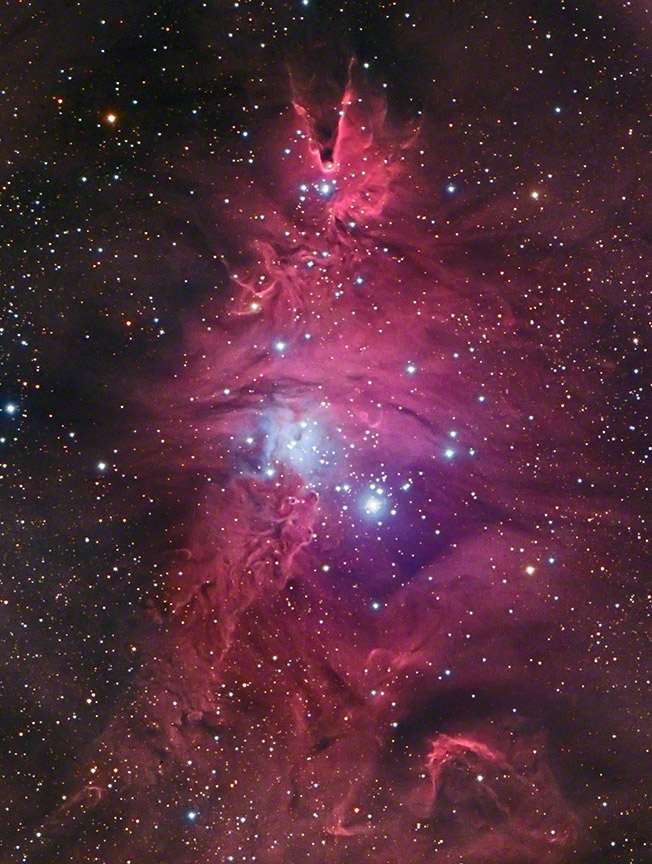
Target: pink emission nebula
(382, 595)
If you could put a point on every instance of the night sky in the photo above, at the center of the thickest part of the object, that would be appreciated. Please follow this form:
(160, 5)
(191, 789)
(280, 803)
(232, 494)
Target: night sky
(324, 432)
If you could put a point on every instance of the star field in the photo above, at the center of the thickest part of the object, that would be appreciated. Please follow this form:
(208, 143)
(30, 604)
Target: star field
(324, 432)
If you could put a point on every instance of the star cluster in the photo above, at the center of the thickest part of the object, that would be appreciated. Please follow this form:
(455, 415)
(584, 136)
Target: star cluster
(324, 433)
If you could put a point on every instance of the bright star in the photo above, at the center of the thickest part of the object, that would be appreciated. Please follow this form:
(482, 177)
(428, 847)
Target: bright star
(372, 505)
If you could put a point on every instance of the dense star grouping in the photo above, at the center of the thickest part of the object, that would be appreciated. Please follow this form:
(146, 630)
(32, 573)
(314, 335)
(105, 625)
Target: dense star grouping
(324, 433)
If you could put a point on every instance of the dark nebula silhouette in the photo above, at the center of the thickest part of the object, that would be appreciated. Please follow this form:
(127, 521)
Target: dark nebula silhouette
(347, 560)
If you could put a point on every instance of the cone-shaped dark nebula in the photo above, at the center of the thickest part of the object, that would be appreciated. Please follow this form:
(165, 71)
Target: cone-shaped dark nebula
(325, 432)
